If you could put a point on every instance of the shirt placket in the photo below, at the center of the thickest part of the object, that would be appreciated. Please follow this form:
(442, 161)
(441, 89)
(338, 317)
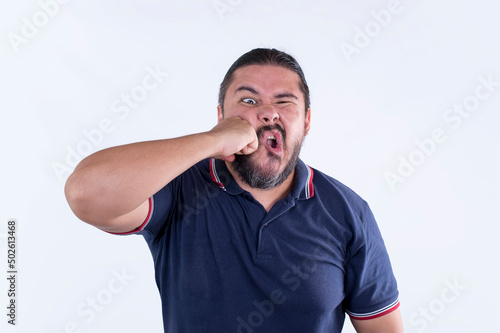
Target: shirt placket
(265, 235)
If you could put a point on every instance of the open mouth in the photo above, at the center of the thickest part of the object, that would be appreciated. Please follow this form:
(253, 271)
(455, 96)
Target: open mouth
(273, 141)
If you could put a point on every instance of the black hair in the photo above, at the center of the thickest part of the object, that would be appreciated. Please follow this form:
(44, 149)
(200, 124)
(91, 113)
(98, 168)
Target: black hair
(262, 56)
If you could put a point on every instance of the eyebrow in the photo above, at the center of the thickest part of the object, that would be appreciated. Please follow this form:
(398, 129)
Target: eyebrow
(250, 89)
(286, 95)
(253, 91)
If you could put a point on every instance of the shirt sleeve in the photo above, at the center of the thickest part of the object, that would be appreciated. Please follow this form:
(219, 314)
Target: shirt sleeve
(161, 205)
(370, 285)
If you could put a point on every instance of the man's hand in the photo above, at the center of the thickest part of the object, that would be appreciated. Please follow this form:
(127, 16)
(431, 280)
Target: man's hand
(234, 136)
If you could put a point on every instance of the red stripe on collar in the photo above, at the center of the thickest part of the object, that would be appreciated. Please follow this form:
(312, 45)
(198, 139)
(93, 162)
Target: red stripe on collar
(213, 174)
(310, 186)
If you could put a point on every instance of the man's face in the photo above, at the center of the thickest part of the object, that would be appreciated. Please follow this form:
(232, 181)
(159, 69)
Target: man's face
(268, 97)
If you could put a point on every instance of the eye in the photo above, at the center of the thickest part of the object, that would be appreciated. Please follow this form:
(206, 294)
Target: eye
(283, 103)
(249, 101)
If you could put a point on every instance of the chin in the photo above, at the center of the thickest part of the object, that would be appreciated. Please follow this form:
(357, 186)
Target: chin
(261, 169)
(267, 161)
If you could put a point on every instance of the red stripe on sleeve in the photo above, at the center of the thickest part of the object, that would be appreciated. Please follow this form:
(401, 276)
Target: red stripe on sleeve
(378, 314)
(150, 211)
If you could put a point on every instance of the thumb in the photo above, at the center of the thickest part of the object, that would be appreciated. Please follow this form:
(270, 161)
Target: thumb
(251, 147)
(229, 158)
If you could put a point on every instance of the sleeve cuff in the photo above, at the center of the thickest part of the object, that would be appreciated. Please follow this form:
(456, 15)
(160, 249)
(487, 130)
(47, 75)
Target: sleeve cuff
(375, 314)
(142, 226)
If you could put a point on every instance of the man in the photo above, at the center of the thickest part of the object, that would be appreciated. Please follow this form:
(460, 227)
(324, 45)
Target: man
(245, 237)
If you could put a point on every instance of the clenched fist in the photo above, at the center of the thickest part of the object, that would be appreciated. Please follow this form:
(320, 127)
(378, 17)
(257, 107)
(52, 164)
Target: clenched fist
(234, 136)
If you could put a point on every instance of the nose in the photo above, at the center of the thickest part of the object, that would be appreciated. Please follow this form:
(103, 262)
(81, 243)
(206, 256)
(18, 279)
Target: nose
(268, 114)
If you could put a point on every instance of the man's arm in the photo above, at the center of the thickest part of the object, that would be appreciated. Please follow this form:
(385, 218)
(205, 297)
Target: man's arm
(110, 189)
(389, 323)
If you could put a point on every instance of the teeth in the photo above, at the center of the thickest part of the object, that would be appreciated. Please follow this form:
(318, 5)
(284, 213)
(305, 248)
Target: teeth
(271, 137)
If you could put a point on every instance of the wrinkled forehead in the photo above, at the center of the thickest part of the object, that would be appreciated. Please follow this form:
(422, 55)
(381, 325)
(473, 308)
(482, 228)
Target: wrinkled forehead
(266, 79)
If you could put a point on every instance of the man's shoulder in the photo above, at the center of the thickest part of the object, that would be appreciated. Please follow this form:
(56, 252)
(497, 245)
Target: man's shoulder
(195, 173)
(201, 167)
(330, 188)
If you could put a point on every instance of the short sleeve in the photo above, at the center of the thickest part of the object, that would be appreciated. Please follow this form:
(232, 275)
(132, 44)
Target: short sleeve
(370, 285)
(160, 207)
(175, 202)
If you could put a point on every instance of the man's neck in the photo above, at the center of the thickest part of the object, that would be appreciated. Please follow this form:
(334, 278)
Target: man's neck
(267, 198)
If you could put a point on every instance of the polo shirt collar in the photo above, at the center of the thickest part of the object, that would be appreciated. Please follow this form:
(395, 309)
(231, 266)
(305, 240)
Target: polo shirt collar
(302, 187)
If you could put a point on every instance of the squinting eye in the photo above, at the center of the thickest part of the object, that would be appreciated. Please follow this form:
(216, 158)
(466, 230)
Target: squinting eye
(283, 103)
(249, 101)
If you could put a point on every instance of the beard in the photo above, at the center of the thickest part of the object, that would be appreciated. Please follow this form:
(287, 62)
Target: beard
(266, 178)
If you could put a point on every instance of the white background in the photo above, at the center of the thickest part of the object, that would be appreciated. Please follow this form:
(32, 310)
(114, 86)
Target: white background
(368, 108)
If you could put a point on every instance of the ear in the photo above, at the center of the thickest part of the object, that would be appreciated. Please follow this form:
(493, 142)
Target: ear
(308, 121)
(220, 115)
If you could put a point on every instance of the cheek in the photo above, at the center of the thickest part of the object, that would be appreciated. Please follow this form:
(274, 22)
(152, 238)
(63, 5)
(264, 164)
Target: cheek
(234, 110)
(291, 114)
(293, 122)
(244, 114)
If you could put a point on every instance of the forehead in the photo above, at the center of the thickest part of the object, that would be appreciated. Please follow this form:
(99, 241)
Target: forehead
(266, 79)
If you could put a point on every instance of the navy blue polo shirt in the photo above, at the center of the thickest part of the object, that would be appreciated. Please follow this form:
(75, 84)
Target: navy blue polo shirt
(224, 264)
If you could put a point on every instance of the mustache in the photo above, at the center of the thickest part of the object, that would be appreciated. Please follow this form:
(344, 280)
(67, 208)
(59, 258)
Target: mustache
(264, 128)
